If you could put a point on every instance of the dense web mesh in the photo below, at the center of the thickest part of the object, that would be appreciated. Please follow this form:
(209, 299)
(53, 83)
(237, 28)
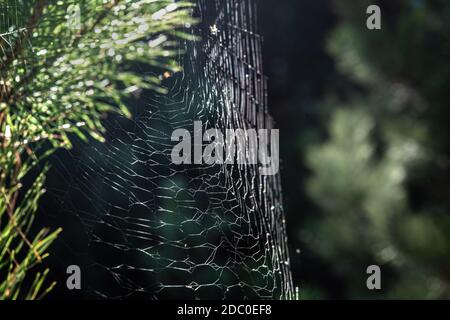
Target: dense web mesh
(153, 229)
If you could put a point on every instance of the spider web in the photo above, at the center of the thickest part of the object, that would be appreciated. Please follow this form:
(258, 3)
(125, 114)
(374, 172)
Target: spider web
(152, 229)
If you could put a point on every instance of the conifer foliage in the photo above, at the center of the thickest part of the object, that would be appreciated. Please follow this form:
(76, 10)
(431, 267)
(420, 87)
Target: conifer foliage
(63, 65)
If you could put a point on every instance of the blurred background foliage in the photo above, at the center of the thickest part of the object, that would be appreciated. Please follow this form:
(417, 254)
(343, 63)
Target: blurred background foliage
(363, 117)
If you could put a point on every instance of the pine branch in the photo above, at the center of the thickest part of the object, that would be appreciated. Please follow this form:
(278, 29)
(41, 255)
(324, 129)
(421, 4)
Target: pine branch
(41, 80)
(49, 63)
